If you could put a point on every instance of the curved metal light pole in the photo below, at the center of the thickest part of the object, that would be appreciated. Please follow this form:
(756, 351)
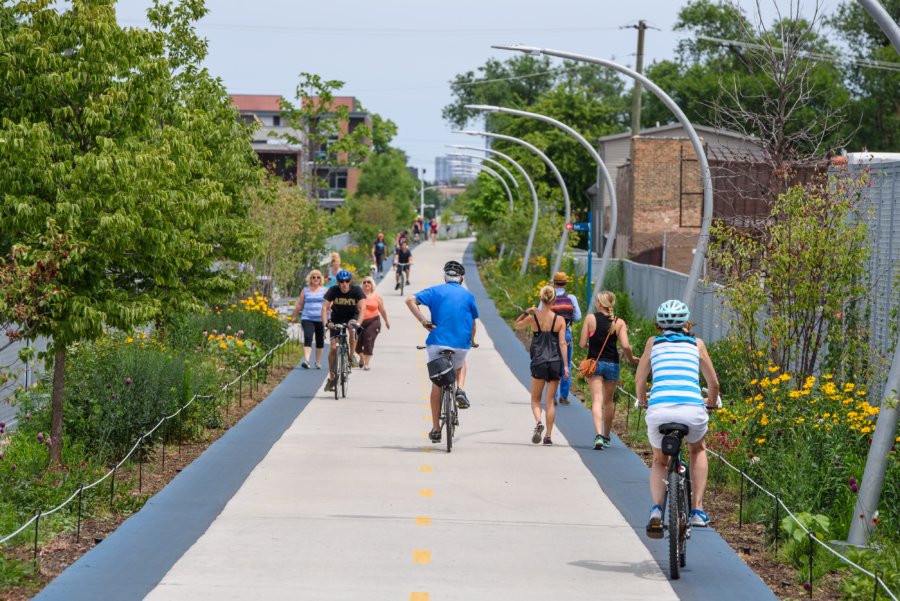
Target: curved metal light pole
(530, 187)
(700, 256)
(559, 179)
(492, 162)
(614, 214)
(495, 174)
(872, 483)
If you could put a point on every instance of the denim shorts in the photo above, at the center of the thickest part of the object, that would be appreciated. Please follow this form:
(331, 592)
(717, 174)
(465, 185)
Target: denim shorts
(609, 371)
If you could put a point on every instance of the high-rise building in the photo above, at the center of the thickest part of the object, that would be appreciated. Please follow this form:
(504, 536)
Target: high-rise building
(445, 169)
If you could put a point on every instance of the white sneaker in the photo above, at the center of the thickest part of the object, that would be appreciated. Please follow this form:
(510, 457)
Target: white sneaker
(304, 364)
(318, 365)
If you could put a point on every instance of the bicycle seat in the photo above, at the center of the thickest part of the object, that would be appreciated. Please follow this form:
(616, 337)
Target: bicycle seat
(673, 428)
(447, 352)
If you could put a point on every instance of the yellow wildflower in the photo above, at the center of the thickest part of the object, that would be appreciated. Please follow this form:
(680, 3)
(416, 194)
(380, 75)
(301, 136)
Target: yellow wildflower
(223, 345)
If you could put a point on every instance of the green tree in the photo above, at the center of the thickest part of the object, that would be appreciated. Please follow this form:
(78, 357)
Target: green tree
(383, 132)
(330, 144)
(119, 137)
(876, 108)
(293, 235)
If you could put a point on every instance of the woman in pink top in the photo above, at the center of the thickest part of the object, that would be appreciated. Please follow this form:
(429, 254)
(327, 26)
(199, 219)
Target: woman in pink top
(433, 226)
(371, 323)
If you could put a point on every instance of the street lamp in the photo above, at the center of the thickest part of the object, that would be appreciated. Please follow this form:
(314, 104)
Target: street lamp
(559, 179)
(861, 524)
(492, 162)
(489, 171)
(607, 250)
(700, 256)
(530, 187)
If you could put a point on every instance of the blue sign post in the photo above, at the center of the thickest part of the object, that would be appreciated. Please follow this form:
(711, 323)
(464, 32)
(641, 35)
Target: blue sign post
(590, 260)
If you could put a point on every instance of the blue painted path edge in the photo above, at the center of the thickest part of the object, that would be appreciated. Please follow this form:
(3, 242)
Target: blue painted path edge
(128, 564)
(714, 570)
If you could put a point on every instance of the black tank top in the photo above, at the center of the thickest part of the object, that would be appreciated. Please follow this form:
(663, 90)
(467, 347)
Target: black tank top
(545, 344)
(610, 352)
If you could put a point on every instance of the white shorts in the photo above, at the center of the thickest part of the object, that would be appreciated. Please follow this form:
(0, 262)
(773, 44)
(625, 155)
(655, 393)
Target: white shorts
(456, 359)
(693, 416)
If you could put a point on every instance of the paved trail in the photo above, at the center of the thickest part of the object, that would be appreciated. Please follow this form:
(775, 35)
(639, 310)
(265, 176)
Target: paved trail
(354, 503)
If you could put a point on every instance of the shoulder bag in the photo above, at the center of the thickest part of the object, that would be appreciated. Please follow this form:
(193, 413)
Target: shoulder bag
(589, 366)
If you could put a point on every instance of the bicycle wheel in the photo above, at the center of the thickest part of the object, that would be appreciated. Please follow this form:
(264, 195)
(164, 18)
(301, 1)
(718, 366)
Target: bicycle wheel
(676, 498)
(446, 401)
(402, 281)
(345, 377)
(338, 371)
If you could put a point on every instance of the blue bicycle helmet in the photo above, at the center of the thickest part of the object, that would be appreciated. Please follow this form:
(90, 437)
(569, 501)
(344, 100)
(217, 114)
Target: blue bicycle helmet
(672, 314)
(343, 275)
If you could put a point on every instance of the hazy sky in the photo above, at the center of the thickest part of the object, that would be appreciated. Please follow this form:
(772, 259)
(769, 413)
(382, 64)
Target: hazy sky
(397, 56)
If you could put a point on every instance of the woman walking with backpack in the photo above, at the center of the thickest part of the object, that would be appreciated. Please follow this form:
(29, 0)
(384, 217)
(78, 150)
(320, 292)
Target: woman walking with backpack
(548, 347)
(601, 333)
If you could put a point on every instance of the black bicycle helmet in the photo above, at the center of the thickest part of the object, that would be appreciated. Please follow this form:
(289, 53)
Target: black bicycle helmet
(452, 268)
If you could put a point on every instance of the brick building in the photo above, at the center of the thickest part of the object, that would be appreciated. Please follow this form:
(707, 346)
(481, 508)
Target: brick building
(658, 188)
(286, 160)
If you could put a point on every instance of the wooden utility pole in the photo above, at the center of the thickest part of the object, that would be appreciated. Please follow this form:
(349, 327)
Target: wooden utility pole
(639, 67)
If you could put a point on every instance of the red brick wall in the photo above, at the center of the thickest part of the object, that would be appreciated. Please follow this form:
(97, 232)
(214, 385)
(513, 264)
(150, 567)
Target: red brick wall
(657, 183)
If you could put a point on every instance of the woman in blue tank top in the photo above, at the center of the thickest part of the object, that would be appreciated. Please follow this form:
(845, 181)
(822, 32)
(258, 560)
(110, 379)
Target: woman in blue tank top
(310, 303)
(676, 358)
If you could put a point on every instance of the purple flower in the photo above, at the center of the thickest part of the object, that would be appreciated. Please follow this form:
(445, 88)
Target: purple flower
(837, 462)
(778, 432)
(734, 421)
(852, 481)
(13, 468)
(731, 403)
(113, 396)
(807, 586)
(893, 448)
(798, 455)
(2, 424)
(127, 381)
(85, 385)
(40, 437)
(2, 430)
(27, 416)
(47, 443)
(1, 456)
(854, 489)
(107, 386)
(743, 433)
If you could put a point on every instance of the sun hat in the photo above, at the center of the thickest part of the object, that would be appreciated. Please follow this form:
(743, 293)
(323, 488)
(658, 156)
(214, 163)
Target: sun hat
(560, 278)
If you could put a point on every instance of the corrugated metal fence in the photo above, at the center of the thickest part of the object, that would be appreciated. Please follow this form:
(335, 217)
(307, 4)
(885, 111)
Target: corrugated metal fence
(9, 359)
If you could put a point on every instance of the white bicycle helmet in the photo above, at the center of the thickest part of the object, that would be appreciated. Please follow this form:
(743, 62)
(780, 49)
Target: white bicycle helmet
(672, 314)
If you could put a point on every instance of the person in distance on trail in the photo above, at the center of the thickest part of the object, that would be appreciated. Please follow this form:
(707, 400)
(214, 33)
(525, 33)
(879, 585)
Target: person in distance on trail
(330, 278)
(452, 326)
(434, 230)
(676, 359)
(379, 250)
(548, 349)
(566, 306)
(309, 305)
(371, 325)
(601, 331)
(345, 302)
(402, 256)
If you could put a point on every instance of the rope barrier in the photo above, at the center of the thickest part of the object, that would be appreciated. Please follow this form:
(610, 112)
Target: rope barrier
(142, 437)
(791, 514)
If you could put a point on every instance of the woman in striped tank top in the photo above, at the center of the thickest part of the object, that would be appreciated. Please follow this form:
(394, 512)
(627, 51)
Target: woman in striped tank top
(676, 359)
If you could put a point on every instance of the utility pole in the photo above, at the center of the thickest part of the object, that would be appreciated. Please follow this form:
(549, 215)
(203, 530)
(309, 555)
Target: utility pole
(422, 202)
(639, 67)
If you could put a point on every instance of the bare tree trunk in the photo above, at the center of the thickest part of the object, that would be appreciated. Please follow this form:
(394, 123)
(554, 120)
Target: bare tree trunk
(56, 404)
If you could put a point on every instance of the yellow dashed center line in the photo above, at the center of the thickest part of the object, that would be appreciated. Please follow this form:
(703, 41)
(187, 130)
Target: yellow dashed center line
(421, 556)
(419, 597)
(426, 492)
(426, 468)
(423, 520)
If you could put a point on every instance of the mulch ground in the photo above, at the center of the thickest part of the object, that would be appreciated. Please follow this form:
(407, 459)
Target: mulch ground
(64, 549)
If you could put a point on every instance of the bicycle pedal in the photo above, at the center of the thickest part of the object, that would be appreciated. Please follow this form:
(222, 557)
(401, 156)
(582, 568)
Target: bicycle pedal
(656, 532)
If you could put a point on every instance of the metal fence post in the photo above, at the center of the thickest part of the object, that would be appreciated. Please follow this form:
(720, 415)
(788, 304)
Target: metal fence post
(777, 519)
(37, 523)
(741, 509)
(878, 576)
(164, 445)
(810, 535)
(141, 465)
(80, 493)
(180, 425)
(112, 485)
(716, 487)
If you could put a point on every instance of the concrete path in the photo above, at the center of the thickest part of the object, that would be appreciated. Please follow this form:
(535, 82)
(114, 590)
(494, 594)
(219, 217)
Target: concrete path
(353, 502)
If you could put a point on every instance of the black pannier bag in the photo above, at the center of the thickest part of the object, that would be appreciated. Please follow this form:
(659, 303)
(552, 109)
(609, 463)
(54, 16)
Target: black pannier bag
(441, 371)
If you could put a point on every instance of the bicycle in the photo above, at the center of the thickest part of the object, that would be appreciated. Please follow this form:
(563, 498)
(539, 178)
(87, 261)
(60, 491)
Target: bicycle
(677, 499)
(449, 419)
(401, 267)
(341, 365)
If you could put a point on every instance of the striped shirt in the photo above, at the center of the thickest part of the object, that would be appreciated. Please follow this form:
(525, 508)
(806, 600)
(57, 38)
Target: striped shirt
(675, 361)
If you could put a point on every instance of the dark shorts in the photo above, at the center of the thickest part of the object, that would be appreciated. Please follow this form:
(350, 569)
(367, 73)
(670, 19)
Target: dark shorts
(607, 370)
(549, 372)
(313, 329)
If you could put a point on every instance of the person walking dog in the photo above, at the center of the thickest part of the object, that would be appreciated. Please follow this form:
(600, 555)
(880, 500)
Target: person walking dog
(566, 306)
(548, 347)
(601, 332)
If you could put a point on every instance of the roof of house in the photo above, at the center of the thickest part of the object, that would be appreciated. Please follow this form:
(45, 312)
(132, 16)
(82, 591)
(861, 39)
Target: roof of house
(649, 131)
(248, 102)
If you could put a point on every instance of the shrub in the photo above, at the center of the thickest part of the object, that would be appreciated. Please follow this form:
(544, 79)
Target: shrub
(253, 316)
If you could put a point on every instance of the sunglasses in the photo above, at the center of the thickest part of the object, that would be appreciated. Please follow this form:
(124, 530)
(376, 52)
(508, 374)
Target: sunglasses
(315, 277)
(343, 281)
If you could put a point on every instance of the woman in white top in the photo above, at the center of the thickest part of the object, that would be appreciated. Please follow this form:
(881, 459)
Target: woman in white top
(310, 302)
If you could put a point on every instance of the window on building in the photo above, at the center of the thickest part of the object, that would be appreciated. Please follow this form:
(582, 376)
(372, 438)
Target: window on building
(276, 120)
(338, 180)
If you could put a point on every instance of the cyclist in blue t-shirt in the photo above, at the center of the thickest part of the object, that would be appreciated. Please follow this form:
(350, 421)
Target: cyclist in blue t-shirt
(452, 326)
